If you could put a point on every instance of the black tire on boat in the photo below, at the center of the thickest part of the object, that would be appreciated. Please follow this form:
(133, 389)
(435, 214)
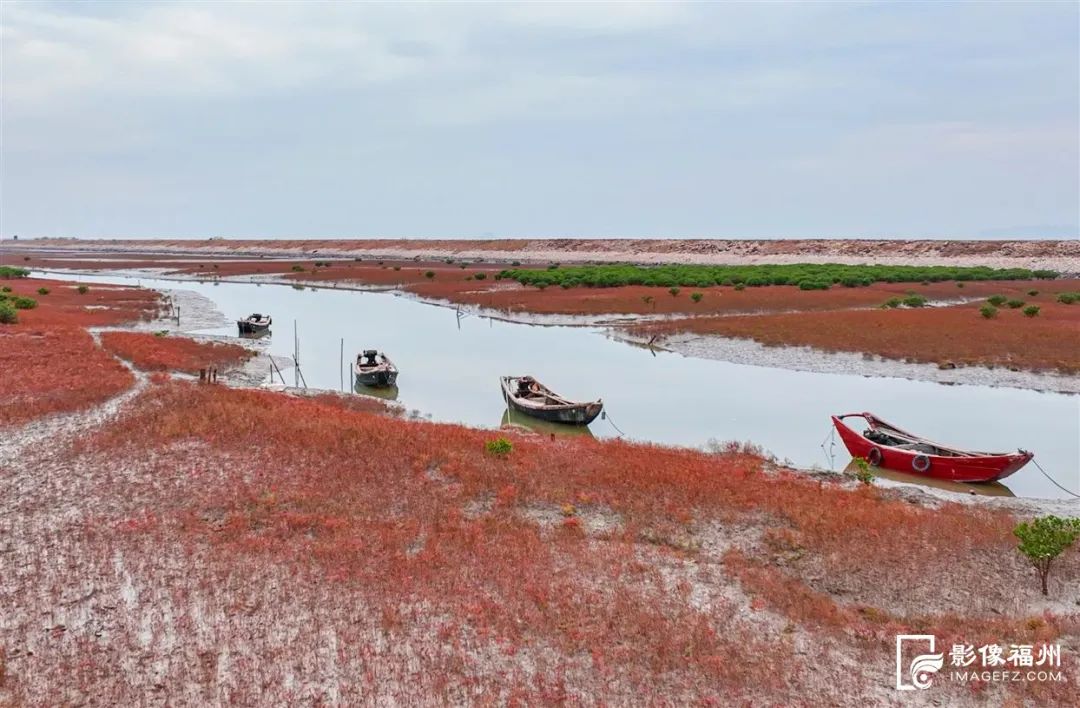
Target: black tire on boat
(920, 463)
(874, 457)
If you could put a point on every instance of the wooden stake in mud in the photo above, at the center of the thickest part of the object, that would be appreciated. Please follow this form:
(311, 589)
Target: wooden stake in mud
(202, 375)
(341, 365)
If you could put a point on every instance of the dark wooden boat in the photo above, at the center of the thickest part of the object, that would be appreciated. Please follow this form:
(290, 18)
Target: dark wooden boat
(254, 324)
(374, 368)
(527, 395)
(885, 445)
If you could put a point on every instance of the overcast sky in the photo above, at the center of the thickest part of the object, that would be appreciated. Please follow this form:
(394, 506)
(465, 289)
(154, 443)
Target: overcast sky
(333, 119)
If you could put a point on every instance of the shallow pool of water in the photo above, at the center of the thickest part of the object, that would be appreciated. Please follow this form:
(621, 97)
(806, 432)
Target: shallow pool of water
(450, 368)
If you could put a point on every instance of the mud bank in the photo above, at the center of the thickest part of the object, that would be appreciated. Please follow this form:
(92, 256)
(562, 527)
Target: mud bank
(1062, 255)
(747, 351)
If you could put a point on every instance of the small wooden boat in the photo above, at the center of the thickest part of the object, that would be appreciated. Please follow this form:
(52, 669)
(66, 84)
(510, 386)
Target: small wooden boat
(527, 395)
(884, 445)
(373, 368)
(254, 324)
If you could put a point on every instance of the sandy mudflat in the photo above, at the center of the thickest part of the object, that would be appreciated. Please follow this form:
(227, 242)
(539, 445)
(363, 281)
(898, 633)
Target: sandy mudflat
(1061, 255)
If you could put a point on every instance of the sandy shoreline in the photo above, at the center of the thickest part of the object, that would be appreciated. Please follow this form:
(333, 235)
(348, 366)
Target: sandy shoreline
(1061, 255)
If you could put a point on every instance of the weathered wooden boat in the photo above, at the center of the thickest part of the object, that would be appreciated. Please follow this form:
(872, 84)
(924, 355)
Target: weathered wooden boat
(887, 446)
(374, 368)
(254, 324)
(527, 395)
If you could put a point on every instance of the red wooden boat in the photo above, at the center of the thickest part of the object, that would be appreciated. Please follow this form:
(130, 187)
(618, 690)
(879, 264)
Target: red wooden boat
(884, 445)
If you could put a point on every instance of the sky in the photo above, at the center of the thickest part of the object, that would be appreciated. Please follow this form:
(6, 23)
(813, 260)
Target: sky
(473, 120)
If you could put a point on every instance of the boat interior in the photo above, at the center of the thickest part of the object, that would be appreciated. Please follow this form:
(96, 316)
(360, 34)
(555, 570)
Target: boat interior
(370, 358)
(885, 435)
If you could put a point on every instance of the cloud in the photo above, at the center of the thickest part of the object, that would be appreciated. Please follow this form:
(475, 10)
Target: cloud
(693, 116)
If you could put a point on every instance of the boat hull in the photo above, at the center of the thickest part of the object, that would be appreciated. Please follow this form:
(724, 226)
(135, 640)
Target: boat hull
(246, 327)
(378, 378)
(975, 468)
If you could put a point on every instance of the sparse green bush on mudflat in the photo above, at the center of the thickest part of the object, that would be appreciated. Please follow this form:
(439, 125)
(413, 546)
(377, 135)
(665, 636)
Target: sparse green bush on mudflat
(11, 272)
(988, 311)
(805, 275)
(1015, 304)
(1031, 310)
(915, 301)
(8, 315)
(24, 303)
(1068, 298)
(996, 300)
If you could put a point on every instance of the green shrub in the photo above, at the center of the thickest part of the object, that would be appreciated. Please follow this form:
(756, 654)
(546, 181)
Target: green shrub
(463, 266)
(83, 289)
(397, 267)
(499, 447)
(516, 264)
(996, 300)
(481, 276)
(298, 269)
(862, 471)
(24, 303)
(696, 297)
(821, 275)
(1068, 298)
(1043, 539)
(959, 285)
(1015, 304)
(674, 292)
(1031, 311)
(647, 299)
(915, 301)
(11, 272)
(429, 274)
(8, 315)
(892, 303)
(813, 285)
(1032, 293)
(1044, 274)
(6, 289)
(988, 311)
(42, 291)
(740, 286)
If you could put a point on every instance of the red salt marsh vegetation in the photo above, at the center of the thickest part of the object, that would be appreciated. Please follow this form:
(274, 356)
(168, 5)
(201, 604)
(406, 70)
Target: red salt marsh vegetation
(272, 548)
(958, 335)
(49, 362)
(52, 369)
(151, 352)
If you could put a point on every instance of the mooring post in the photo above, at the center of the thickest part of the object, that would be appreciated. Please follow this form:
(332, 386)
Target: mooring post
(177, 315)
(202, 375)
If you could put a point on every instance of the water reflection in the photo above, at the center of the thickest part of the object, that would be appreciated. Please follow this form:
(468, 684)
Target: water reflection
(989, 489)
(387, 393)
(515, 419)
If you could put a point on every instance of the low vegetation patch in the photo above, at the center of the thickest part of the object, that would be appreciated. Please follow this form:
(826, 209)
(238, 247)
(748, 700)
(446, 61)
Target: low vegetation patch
(12, 272)
(808, 276)
(151, 352)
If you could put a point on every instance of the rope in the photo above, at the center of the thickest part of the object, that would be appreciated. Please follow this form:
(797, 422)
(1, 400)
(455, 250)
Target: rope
(607, 417)
(831, 439)
(1052, 480)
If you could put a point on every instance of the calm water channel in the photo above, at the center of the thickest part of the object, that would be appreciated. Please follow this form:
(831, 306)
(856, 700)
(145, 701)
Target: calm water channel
(449, 369)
